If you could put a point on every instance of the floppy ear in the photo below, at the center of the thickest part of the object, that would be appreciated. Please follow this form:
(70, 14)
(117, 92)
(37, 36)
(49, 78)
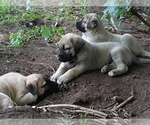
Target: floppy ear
(31, 85)
(92, 24)
(78, 43)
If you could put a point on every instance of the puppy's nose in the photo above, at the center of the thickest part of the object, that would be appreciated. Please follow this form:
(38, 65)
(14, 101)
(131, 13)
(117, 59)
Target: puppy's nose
(62, 56)
(80, 27)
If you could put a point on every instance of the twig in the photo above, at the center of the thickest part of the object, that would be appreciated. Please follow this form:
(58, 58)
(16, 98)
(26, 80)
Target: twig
(84, 110)
(145, 109)
(110, 105)
(124, 103)
(134, 11)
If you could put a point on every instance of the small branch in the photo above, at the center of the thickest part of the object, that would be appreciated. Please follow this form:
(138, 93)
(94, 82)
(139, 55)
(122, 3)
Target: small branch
(124, 103)
(110, 105)
(83, 111)
(75, 107)
(145, 109)
(134, 12)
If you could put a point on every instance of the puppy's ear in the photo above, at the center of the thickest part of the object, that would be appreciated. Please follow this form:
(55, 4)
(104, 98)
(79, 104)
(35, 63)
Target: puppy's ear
(78, 43)
(31, 85)
(92, 24)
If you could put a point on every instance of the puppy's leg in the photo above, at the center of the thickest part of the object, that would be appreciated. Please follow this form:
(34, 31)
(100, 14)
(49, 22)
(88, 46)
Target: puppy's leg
(5, 101)
(121, 56)
(27, 99)
(61, 70)
(71, 73)
(129, 41)
(108, 67)
(121, 68)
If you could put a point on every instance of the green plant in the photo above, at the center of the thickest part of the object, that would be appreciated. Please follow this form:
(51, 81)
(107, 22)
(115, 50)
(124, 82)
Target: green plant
(5, 54)
(65, 7)
(83, 8)
(16, 39)
(116, 9)
(24, 32)
(120, 9)
(21, 36)
(30, 15)
(6, 9)
(6, 14)
(48, 32)
(10, 14)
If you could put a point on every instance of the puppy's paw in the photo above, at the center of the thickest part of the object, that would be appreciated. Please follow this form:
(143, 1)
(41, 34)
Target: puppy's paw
(62, 80)
(7, 103)
(104, 69)
(112, 73)
(54, 77)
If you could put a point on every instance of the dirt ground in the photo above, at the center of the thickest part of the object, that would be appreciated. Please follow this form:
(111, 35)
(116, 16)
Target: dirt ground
(91, 89)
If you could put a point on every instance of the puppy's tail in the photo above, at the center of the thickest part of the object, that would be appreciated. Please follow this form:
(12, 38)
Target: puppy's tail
(140, 60)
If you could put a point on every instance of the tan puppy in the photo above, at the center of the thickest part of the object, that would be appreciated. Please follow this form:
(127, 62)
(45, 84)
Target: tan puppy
(94, 31)
(78, 56)
(16, 89)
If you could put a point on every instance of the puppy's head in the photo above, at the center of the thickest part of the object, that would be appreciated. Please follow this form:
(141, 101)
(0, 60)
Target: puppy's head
(88, 22)
(37, 84)
(69, 45)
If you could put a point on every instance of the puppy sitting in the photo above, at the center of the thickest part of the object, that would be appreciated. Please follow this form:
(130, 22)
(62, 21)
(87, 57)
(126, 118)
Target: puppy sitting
(78, 56)
(94, 31)
(16, 89)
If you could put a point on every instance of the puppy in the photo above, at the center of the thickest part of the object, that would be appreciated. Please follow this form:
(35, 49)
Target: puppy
(16, 89)
(78, 56)
(94, 31)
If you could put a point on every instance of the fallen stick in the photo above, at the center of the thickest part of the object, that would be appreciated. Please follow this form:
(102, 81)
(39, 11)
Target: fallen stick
(145, 109)
(124, 103)
(84, 110)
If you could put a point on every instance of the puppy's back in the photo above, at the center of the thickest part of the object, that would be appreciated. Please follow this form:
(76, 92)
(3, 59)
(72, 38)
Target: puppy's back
(10, 81)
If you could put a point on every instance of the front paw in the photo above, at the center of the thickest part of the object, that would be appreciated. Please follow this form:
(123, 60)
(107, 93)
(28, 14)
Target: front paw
(54, 77)
(104, 69)
(62, 80)
(112, 73)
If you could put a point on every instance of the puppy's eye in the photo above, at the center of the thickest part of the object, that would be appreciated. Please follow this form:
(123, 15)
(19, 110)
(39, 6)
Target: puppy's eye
(44, 85)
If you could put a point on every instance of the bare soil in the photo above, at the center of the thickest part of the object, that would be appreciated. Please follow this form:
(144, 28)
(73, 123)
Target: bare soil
(91, 89)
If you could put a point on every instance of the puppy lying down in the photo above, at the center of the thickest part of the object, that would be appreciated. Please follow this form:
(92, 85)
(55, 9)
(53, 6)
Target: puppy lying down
(77, 56)
(93, 31)
(16, 89)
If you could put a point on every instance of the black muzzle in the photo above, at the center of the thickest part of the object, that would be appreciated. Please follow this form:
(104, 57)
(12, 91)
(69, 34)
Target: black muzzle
(80, 27)
(64, 57)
